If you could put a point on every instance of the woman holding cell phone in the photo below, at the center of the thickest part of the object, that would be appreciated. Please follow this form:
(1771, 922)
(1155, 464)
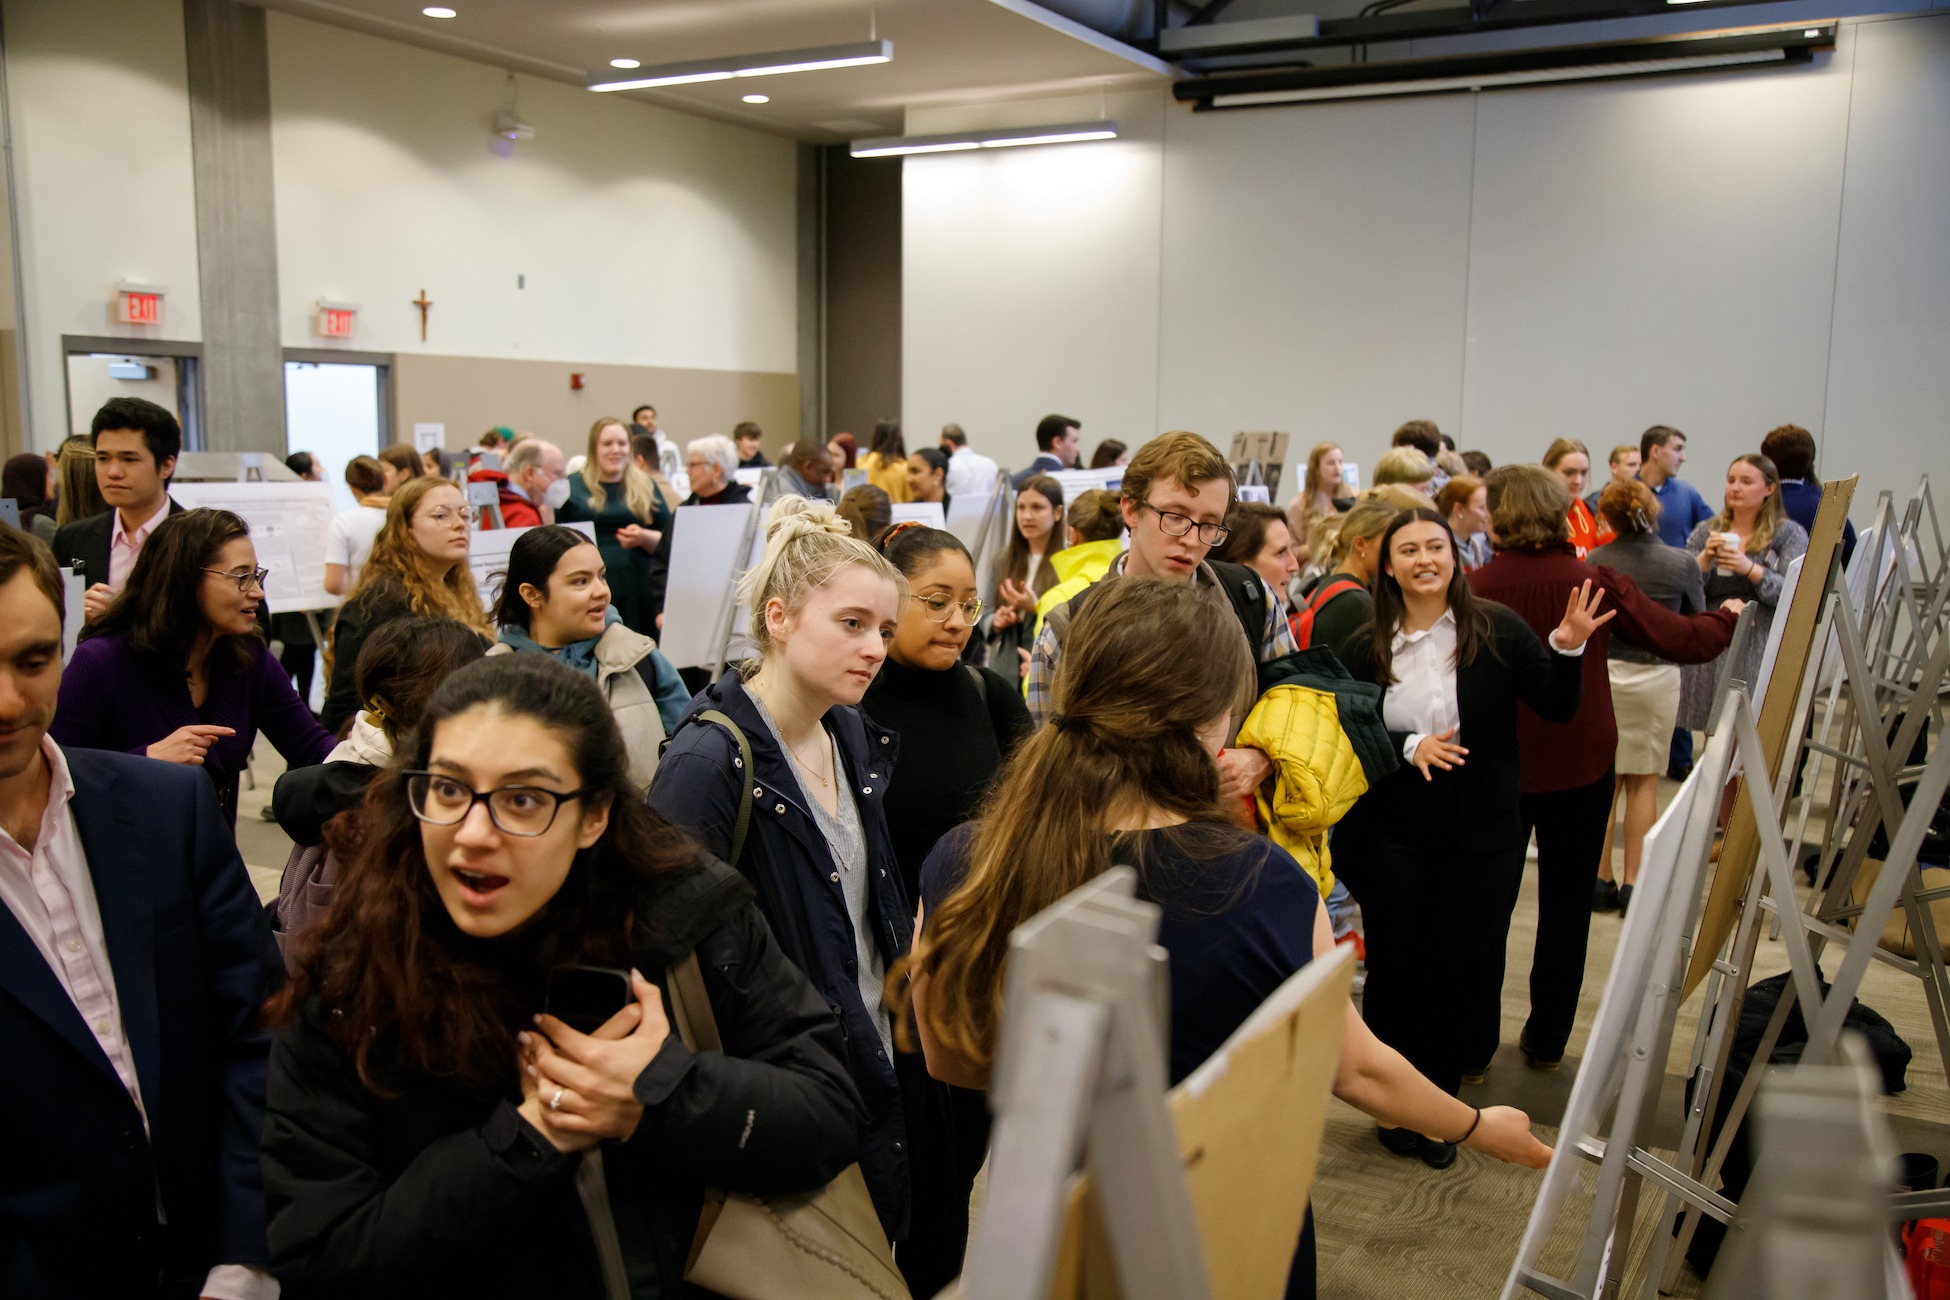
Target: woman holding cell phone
(428, 1127)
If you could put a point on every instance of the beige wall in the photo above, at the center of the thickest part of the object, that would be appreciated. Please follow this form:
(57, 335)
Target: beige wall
(90, 384)
(471, 395)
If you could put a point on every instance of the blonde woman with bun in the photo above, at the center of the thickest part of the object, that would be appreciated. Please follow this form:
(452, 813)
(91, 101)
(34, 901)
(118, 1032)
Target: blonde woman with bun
(783, 735)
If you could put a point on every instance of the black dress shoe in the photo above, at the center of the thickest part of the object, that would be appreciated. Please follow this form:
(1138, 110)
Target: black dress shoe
(1604, 896)
(1535, 1060)
(1624, 898)
(1402, 1141)
(1438, 1155)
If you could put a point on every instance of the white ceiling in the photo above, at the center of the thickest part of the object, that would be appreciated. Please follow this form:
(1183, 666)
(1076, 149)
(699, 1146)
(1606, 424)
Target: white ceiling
(945, 51)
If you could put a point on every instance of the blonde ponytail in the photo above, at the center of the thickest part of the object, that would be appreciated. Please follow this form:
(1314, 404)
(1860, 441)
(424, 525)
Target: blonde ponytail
(806, 546)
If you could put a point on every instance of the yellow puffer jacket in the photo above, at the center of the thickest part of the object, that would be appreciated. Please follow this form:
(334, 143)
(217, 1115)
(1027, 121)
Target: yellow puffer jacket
(1077, 567)
(1316, 775)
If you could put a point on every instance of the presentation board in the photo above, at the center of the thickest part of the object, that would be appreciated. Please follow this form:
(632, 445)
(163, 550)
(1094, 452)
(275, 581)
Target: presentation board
(289, 522)
(1078, 481)
(9, 512)
(487, 556)
(920, 512)
(704, 564)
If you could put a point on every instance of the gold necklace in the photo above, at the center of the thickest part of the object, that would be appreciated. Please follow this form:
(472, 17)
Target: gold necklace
(804, 766)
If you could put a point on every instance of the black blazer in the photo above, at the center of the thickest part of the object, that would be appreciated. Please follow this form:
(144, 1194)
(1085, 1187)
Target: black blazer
(194, 960)
(88, 539)
(1472, 808)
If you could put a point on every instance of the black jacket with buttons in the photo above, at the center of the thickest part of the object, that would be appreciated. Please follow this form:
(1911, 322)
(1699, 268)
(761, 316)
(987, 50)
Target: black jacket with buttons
(787, 860)
(439, 1190)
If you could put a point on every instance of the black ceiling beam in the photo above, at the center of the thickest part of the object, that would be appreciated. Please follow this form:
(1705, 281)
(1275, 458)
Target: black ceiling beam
(1798, 46)
(1410, 25)
(1212, 10)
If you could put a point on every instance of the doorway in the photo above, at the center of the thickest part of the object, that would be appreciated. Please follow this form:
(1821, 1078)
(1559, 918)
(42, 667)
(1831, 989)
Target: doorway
(157, 370)
(337, 406)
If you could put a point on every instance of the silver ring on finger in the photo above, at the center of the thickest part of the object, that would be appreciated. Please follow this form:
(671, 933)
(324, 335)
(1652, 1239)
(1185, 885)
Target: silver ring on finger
(555, 1102)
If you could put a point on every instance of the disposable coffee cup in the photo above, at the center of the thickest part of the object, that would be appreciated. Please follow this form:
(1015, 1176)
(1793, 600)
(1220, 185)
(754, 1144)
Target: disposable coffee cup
(1727, 542)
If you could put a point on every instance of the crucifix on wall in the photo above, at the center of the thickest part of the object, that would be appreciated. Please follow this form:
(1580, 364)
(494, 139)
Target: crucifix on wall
(423, 302)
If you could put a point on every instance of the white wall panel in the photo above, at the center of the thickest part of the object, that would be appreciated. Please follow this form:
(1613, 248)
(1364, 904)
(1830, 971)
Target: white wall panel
(1314, 270)
(1889, 380)
(1030, 285)
(1654, 252)
(646, 236)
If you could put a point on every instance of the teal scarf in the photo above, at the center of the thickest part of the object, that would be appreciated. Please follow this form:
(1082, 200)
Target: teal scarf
(579, 655)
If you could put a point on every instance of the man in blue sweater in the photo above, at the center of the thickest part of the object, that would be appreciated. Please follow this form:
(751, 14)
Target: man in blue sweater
(1662, 450)
(1792, 449)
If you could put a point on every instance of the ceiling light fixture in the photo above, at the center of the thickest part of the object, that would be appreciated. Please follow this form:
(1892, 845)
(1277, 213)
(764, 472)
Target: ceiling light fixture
(625, 63)
(750, 65)
(757, 99)
(892, 146)
(439, 11)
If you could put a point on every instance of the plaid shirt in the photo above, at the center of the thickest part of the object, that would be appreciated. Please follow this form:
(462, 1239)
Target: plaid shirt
(1276, 641)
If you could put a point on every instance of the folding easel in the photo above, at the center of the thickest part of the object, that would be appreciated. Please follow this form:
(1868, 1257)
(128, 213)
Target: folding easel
(1081, 1069)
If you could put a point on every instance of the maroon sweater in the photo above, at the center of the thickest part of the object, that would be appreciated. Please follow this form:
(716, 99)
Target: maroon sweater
(1536, 583)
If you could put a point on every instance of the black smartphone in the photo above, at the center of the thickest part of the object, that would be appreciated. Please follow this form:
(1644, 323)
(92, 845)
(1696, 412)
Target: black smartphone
(585, 997)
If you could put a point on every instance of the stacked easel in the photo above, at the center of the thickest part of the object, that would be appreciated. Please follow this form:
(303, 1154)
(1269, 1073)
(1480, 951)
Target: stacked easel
(1879, 641)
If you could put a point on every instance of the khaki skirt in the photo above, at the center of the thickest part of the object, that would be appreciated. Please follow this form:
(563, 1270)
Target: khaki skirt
(1645, 701)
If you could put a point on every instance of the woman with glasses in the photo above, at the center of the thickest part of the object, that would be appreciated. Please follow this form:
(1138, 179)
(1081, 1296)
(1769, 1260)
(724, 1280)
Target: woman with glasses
(176, 668)
(418, 565)
(436, 1123)
(960, 725)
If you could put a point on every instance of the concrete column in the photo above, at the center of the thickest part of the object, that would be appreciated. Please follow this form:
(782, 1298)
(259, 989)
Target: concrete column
(812, 294)
(236, 227)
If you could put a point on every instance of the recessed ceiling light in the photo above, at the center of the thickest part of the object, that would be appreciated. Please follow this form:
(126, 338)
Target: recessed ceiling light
(625, 63)
(439, 11)
(758, 99)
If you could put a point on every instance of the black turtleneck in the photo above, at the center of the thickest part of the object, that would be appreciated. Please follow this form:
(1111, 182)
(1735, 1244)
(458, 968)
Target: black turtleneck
(956, 728)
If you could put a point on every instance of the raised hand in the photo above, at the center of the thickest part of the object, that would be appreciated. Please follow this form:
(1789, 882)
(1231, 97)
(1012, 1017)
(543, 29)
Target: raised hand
(1581, 617)
(596, 1073)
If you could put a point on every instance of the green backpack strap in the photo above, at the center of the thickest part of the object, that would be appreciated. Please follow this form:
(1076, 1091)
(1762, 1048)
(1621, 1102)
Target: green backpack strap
(744, 785)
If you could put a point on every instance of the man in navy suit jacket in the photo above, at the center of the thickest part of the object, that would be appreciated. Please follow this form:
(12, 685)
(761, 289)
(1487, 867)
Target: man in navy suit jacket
(133, 961)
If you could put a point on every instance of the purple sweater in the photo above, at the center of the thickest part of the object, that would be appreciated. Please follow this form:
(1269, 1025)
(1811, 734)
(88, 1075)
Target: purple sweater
(109, 701)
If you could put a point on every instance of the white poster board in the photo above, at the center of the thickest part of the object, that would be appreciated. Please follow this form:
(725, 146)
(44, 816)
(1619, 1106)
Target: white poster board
(1078, 481)
(487, 556)
(1256, 492)
(289, 523)
(74, 586)
(429, 437)
(751, 478)
(921, 512)
(704, 566)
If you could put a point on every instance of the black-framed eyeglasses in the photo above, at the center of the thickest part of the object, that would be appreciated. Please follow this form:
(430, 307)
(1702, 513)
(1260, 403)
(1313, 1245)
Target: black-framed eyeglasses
(1173, 524)
(525, 810)
(939, 607)
(246, 580)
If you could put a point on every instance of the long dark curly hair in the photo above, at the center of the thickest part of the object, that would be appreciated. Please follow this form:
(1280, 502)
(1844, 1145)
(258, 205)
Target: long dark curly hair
(397, 984)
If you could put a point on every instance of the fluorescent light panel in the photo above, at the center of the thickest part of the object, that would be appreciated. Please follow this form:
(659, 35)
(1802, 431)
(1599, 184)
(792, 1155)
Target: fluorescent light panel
(1491, 80)
(888, 146)
(767, 64)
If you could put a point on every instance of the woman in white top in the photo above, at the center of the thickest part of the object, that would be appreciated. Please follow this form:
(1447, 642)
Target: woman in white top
(1434, 851)
(349, 540)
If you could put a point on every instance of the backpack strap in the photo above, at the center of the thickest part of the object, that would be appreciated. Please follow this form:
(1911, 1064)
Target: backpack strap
(696, 1026)
(744, 784)
(1247, 593)
(1328, 590)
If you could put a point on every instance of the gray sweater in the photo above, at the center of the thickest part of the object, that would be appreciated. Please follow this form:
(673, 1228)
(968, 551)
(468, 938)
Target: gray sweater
(1664, 573)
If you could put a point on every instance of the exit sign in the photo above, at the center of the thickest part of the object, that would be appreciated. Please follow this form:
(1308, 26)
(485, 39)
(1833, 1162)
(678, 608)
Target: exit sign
(336, 319)
(139, 304)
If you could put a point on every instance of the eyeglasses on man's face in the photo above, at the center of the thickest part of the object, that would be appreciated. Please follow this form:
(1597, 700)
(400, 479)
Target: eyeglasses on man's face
(1173, 524)
(244, 578)
(524, 810)
(939, 608)
(446, 515)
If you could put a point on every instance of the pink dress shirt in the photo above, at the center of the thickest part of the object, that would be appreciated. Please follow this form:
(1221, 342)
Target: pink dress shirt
(122, 548)
(51, 893)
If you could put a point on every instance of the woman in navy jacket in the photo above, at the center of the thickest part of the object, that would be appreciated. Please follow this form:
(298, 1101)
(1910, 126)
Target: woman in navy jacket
(813, 772)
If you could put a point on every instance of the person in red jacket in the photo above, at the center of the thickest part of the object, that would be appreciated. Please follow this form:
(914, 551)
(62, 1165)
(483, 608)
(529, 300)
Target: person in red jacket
(532, 484)
(1567, 781)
